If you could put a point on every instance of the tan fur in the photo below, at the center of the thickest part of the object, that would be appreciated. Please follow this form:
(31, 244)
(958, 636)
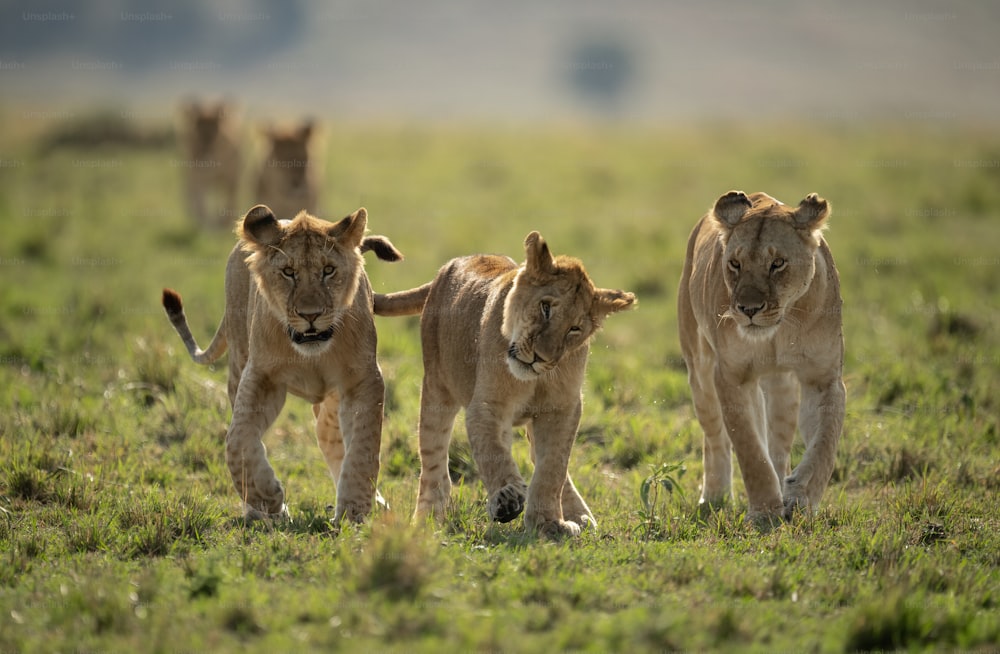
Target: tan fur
(508, 343)
(286, 180)
(760, 327)
(298, 320)
(210, 138)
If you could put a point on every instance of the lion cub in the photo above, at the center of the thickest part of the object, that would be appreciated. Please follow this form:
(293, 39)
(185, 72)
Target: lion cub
(510, 344)
(213, 159)
(760, 328)
(298, 320)
(286, 180)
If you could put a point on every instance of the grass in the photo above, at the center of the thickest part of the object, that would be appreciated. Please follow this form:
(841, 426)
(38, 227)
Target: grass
(118, 523)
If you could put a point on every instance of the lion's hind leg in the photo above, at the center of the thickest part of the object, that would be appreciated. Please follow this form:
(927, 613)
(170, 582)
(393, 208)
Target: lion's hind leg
(781, 397)
(328, 436)
(717, 454)
(437, 418)
(574, 507)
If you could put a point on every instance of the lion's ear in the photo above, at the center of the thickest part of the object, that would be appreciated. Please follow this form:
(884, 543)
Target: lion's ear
(350, 230)
(260, 226)
(306, 129)
(812, 212)
(730, 208)
(538, 258)
(612, 300)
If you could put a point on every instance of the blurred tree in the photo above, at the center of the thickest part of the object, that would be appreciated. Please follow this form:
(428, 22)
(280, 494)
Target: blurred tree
(599, 73)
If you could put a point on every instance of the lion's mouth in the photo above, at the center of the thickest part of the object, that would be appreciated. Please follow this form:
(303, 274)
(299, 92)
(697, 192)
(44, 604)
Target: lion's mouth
(524, 370)
(311, 336)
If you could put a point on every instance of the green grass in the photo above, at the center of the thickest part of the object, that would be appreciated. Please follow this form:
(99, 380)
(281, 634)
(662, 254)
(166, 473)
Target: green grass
(119, 529)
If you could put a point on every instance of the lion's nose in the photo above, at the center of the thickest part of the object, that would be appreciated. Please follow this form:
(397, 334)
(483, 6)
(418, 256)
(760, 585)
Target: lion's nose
(309, 316)
(749, 310)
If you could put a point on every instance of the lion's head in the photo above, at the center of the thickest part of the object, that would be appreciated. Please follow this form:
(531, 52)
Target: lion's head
(769, 251)
(308, 271)
(553, 308)
(288, 151)
(204, 124)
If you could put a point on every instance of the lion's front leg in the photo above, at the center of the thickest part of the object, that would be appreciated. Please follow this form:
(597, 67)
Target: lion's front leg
(491, 436)
(821, 418)
(742, 414)
(361, 427)
(552, 436)
(574, 507)
(258, 403)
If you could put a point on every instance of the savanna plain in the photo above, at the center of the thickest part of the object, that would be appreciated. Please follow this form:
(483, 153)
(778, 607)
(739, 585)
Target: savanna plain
(120, 529)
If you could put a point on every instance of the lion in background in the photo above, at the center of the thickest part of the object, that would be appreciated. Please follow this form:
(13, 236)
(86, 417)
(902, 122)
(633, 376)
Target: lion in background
(759, 312)
(510, 344)
(298, 319)
(286, 180)
(211, 143)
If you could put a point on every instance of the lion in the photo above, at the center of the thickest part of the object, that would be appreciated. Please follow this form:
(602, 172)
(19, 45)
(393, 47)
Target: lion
(759, 313)
(211, 142)
(298, 320)
(509, 344)
(286, 180)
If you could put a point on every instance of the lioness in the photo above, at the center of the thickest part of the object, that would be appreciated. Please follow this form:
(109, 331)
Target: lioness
(286, 180)
(510, 344)
(299, 320)
(213, 159)
(759, 316)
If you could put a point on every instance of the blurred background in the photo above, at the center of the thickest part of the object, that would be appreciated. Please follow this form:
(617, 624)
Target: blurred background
(645, 61)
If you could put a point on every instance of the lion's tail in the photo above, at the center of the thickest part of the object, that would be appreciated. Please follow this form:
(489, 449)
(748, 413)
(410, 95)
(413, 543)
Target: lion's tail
(175, 311)
(403, 303)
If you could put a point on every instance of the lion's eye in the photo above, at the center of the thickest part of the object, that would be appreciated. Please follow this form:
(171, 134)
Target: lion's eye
(574, 330)
(734, 265)
(777, 265)
(546, 310)
(288, 272)
(328, 271)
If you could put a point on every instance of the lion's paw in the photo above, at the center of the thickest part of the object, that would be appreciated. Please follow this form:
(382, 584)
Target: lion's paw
(794, 504)
(252, 513)
(507, 504)
(795, 497)
(558, 529)
(356, 512)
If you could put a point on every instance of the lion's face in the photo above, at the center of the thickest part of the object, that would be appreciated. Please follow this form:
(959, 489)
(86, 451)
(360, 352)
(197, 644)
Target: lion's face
(308, 271)
(289, 152)
(769, 257)
(205, 122)
(552, 309)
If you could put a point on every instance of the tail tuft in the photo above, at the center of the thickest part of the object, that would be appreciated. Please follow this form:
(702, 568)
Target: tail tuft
(172, 302)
